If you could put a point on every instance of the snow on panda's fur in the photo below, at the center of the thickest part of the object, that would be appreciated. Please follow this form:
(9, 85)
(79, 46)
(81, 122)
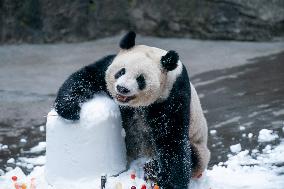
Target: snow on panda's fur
(160, 109)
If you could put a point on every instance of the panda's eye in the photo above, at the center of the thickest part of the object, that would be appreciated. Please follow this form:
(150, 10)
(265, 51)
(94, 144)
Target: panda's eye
(119, 73)
(141, 82)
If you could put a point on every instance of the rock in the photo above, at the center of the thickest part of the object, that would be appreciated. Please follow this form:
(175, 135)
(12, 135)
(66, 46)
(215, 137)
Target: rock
(227, 19)
(51, 20)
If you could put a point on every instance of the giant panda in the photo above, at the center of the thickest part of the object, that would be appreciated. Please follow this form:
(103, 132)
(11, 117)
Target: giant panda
(160, 109)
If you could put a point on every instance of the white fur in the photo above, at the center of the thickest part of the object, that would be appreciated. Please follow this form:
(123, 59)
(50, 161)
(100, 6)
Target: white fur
(198, 132)
(144, 60)
(128, 81)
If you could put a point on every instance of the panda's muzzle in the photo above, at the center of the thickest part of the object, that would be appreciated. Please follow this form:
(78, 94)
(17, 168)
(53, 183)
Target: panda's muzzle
(124, 99)
(122, 90)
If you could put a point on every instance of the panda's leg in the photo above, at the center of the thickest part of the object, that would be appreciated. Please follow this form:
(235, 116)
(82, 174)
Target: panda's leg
(200, 158)
(170, 128)
(198, 134)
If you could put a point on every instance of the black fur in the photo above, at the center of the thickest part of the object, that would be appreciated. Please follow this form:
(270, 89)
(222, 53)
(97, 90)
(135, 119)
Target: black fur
(141, 82)
(128, 41)
(81, 86)
(195, 161)
(120, 73)
(170, 60)
(122, 90)
(169, 121)
(166, 131)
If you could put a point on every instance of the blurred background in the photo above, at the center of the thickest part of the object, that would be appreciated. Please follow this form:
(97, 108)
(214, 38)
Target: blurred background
(48, 21)
(233, 50)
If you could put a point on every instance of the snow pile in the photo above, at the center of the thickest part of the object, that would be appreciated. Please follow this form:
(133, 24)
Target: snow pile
(261, 170)
(242, 128)
(41, 160)
(38, 175)
(11, 160)
(213, 132)
(39, 148)
(236, 148)
(250, 177)
(273, 156)
(80, 151)
(245, 171)
(3, 146)
(250, 135)
(266, 135)
(98, 110)
(23, 140)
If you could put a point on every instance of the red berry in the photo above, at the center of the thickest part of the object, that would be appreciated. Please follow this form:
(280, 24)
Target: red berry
(14, 178)
(133, 176)
(143, 186)
(133, 187)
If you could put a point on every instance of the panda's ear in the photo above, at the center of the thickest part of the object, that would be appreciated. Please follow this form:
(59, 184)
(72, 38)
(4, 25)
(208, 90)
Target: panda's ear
(170, 60)
(128, 41)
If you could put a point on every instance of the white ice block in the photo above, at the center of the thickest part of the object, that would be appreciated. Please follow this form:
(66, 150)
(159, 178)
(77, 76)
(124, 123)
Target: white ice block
(87, 148)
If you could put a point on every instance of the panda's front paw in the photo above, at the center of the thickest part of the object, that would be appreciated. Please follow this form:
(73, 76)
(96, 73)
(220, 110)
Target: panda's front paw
(151, 170)
(98, 110)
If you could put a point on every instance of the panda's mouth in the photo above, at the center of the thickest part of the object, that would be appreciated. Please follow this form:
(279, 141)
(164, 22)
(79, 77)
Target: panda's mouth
(124, 99)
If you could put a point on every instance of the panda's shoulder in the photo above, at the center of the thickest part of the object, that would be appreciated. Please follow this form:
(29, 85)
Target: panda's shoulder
(89, 73)
(100, 65)
(181, 79)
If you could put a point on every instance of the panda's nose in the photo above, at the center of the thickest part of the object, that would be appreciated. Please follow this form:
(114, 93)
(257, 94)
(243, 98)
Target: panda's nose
(122, 90)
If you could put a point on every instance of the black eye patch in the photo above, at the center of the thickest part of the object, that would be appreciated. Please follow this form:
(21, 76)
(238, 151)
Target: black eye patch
(141, 82)
(119, 73)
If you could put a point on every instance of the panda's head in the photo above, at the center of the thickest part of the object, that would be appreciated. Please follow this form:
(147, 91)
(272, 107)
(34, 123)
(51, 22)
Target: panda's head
(140, 75)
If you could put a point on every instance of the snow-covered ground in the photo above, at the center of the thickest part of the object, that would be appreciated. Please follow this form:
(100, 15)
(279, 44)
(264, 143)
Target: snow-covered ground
(244, 168)
(237, 107)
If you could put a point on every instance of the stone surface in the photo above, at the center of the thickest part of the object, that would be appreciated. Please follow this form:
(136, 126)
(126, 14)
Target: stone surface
(52, 20)
(218, 19)
(71, 21)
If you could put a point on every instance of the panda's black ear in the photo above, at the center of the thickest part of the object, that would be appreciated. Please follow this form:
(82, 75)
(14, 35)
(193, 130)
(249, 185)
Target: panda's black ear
(128, 41)
(170, 60)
